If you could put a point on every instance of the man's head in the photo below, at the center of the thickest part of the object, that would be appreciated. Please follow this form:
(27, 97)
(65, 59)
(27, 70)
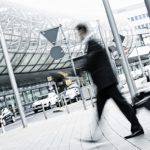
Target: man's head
(82, 30)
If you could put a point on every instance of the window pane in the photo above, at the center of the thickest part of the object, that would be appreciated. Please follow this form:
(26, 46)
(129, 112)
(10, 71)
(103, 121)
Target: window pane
(65, 58)
(42, 60)
(56, 61)
(67, 65)
(49, 60)
(44, 67)
(136, 18)
(1, 55)
(144, 15)
(36, 68)
(11, 55)
(2, 63)
(60, 65)
(5, 71)
(52, 66)
(27, 69)
(34, 59)
(132, 19)
(140, 16)
(26, 59)
(18, 69)
(17, 59)
(1, 69)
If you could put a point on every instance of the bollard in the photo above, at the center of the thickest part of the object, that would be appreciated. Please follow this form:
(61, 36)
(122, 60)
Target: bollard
(66, 104)
(90, 96)
(2, 126)
(76, 99)
(59, 102)
(44, 111)
(82, 97)
(62, 101)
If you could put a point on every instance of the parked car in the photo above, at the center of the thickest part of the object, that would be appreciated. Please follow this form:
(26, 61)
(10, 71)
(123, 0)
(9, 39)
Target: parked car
(71, 94)
(46, 100)
(6, 116)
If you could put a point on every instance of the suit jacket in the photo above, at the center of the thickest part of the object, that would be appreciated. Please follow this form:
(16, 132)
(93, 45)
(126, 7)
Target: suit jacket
(99, 66)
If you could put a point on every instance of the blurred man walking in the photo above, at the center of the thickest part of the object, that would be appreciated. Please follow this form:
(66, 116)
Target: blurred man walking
(98, 65)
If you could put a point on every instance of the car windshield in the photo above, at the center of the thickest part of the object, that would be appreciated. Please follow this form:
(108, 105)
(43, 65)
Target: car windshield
(42, 97)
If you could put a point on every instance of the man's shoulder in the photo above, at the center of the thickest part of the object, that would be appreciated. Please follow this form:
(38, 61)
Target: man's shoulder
(94, 43)
(91, 40)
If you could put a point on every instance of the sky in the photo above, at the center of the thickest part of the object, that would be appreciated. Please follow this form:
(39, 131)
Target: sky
(89, 9)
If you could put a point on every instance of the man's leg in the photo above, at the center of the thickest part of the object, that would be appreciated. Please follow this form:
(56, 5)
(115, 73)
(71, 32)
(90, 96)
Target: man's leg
(101, 100)
(125, 107)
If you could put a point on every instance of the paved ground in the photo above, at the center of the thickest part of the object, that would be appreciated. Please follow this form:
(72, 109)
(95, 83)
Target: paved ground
(65, 131)
(54, 112)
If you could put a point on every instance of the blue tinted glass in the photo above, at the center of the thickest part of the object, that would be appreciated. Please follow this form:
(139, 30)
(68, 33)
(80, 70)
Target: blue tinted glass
(132, 18)
(136, 18)
(140, 17)
(142, 26)
(144, 15)
(147, 15)
(146, 24)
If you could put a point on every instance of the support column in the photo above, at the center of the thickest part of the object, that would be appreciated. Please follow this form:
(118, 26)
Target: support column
(12, 78)
(124, 60)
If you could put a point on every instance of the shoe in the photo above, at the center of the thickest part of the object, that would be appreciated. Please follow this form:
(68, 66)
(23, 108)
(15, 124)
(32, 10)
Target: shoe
(135, 133)
(90, 140)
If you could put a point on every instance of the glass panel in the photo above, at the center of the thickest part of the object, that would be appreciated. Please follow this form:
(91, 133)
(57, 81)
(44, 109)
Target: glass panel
(52, 66)
(1, 55)
(27, 69)
(49, 61)
(60, 65)
(74, 55)
(36, 68)
(43, 59)
(11, 55)
(65, 58)
(56, 61)
(36, 94)
(5, 72)
(44, 91)
(24, 44)
(1, 69)
(44, 67)
(33, 44)
(16, 59)
(26, 59)
(67, 65)
(2, 63)
(18, 69)
(34, 59)
(29, 96)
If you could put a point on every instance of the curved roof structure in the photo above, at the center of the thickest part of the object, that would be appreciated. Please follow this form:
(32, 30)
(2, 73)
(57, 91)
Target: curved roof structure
(28, 49)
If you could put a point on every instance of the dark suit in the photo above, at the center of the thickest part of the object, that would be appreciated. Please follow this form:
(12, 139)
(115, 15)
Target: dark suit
(98, 65)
